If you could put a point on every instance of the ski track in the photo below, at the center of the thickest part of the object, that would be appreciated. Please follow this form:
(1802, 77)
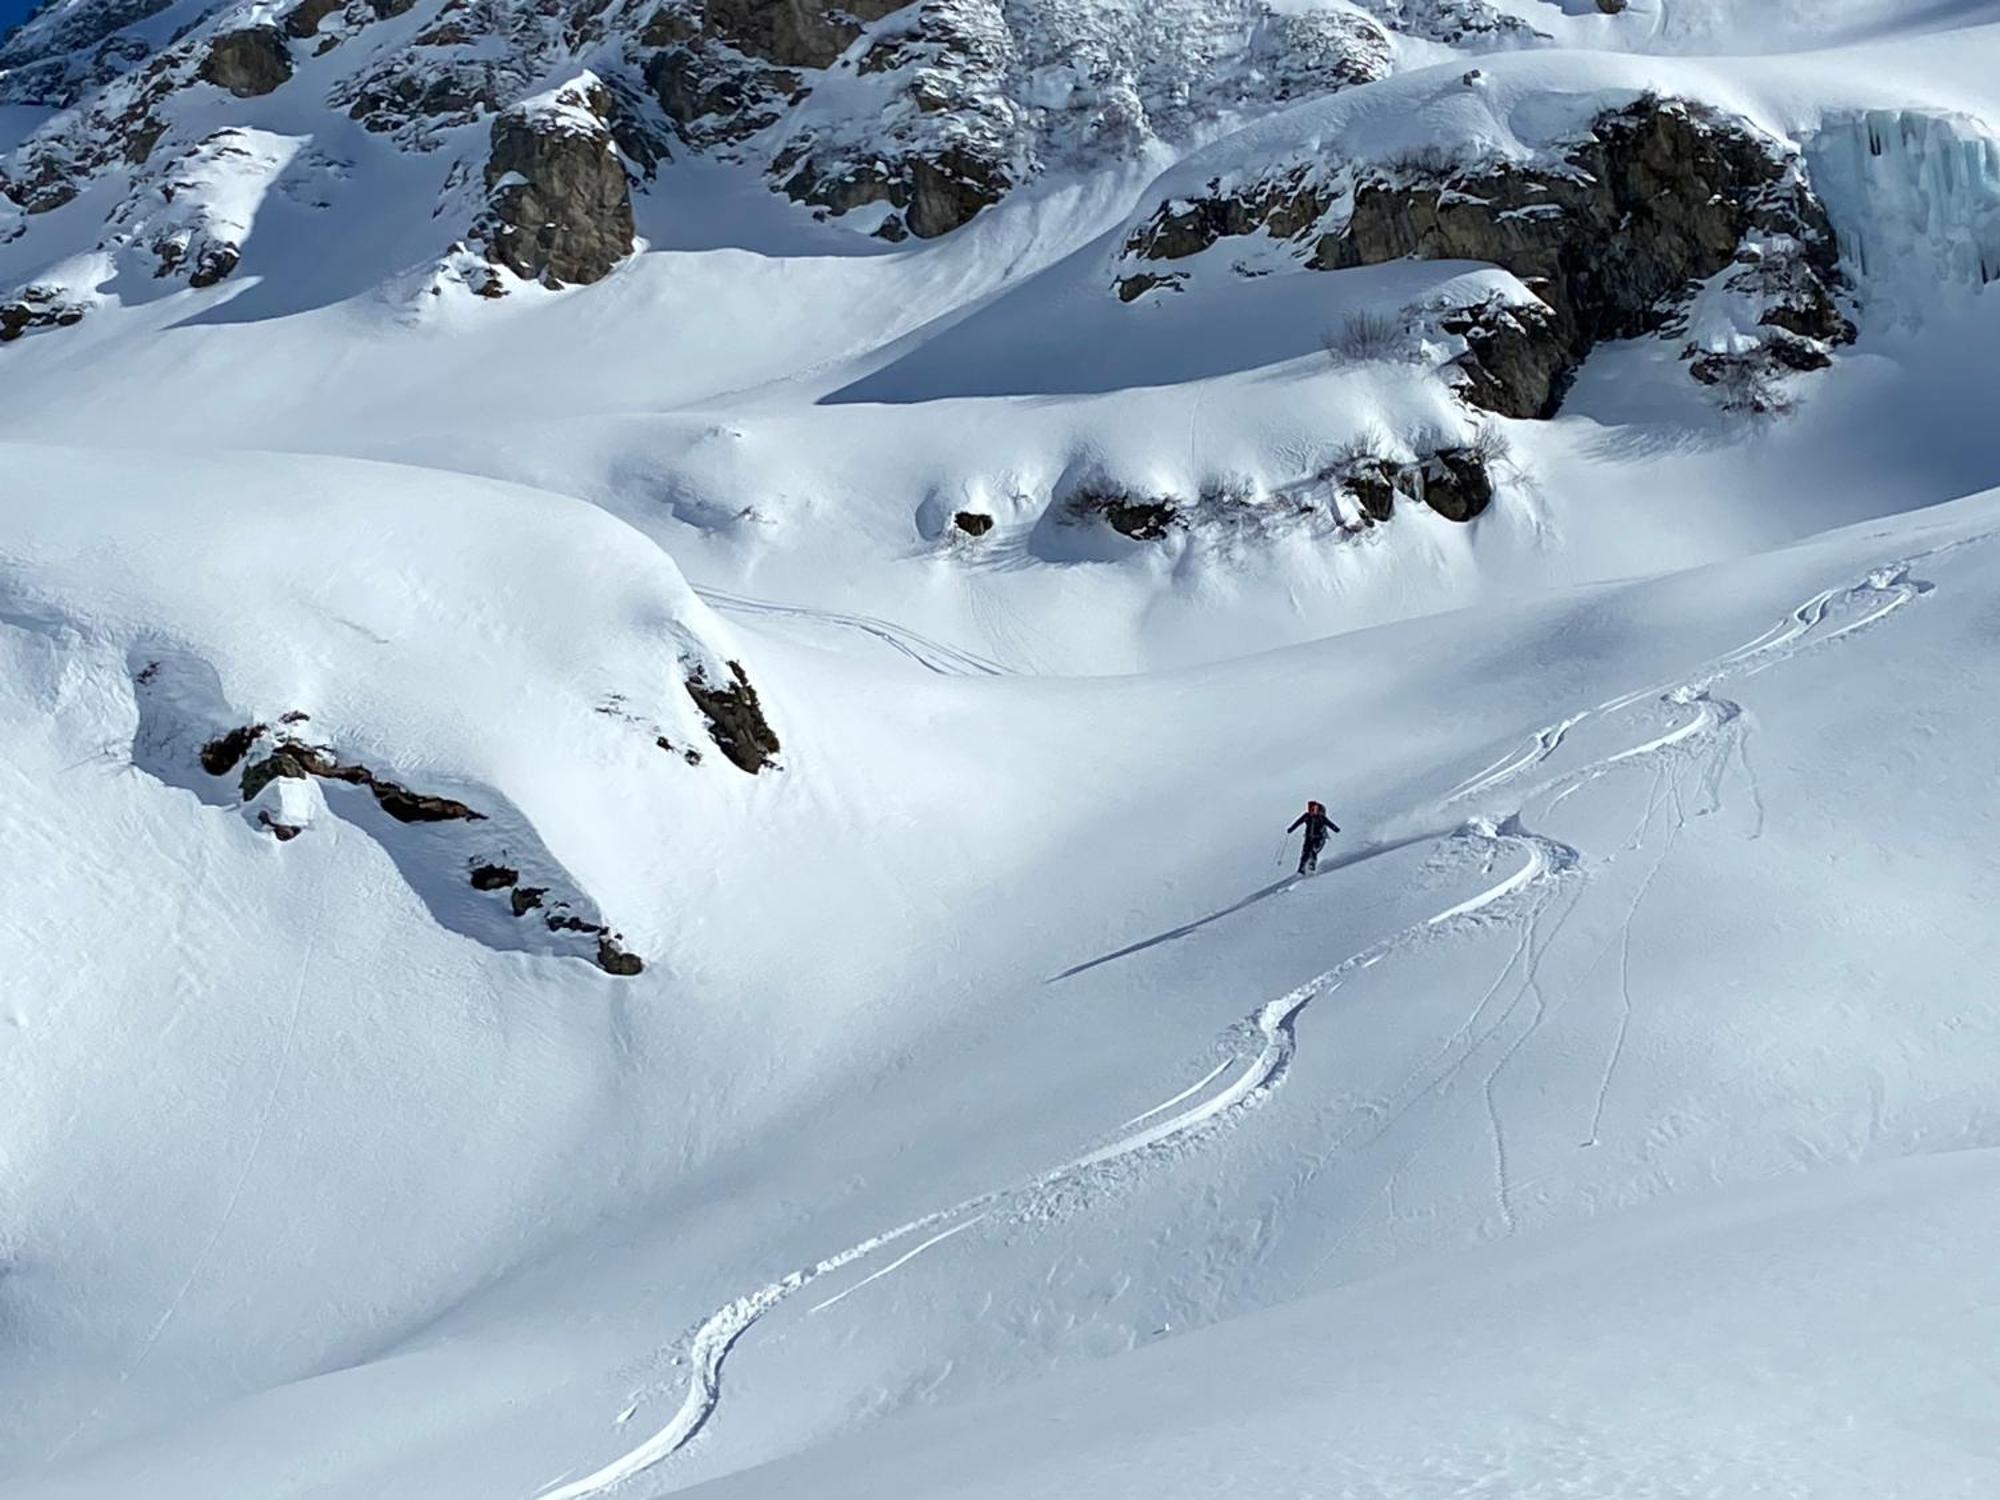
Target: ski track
(933, 656)
(1521, 895)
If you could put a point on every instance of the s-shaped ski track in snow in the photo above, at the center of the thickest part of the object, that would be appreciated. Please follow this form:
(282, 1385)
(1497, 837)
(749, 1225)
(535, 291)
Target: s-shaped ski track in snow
(1262, 1045)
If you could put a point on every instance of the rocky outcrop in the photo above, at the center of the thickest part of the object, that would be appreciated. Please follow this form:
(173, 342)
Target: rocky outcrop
(1455, 480)
(303, 19)
(1143, 518)
(793, 33)
(1456, 483)
(264, 755)
(559, 205)
(609, 952)
(1615, 232)
(249, 62)
(735, 718)
(1516, 362)
(299, 760)
(973, 522)
(946, 106)
(931, 197)
(37, 307)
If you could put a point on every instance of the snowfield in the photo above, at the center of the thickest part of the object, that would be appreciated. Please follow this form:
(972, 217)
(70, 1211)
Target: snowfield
(572, 927)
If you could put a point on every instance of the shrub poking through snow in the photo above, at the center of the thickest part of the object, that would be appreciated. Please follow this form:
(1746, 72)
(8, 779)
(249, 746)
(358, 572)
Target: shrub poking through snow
(1364, 338)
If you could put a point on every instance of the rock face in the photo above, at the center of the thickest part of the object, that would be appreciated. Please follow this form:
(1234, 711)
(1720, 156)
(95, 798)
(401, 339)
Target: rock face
(559, 205)
(249, 62)
(1616, 235)
(1516, 362)
(736, 719)
(793, 33)
(945, 106)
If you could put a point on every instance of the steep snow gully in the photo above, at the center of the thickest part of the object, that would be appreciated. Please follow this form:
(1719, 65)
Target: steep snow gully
(1703, 733)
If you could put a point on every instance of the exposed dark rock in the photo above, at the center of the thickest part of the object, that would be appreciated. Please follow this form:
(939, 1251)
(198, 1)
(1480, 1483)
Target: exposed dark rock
(1288, 206)
(613, 959)
(1456, 483)
(284, 832)
(37, 307)
(1132, 288)
(691, 755)
(303, 20)
(1660, 196)
(220, 755)
(714, 101)
(1612, 7)
(560, 208)
(406, 806)
(793, 33)
(1374, 483)
(41, 181)
(213, 260)
(973, 522)
(736, 719)
(525, 898)
(1516, 362)
(950, 190)
(141, 135)
(493, 877)
(932, 196)
(401, 96)
(1141, 519)
(299, 760)
(249, 62)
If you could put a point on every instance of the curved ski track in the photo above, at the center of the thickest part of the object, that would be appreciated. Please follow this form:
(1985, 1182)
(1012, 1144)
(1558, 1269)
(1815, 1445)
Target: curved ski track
(1264, 1043)
(932, 656)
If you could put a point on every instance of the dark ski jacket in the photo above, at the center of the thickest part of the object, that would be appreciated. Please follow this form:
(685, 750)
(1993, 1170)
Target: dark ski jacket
(1317, 826)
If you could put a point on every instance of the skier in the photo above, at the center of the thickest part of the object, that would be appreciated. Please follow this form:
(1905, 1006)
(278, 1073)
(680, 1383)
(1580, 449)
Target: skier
(1317, 825)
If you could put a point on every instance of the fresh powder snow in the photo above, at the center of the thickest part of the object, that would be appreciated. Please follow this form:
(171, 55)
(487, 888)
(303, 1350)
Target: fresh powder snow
(654, 662)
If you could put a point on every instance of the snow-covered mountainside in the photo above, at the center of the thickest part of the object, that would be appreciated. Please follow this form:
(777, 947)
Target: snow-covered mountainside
(656, 654)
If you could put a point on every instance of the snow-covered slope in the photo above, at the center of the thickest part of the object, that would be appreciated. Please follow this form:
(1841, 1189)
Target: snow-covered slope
(655, 658)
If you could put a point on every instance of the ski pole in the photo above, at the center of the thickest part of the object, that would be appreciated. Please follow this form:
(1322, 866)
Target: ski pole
(1284, 843)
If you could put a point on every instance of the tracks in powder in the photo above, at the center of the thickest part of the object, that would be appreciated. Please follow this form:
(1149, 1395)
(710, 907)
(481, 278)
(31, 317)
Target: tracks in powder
(932, 656)
(1530, 867)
